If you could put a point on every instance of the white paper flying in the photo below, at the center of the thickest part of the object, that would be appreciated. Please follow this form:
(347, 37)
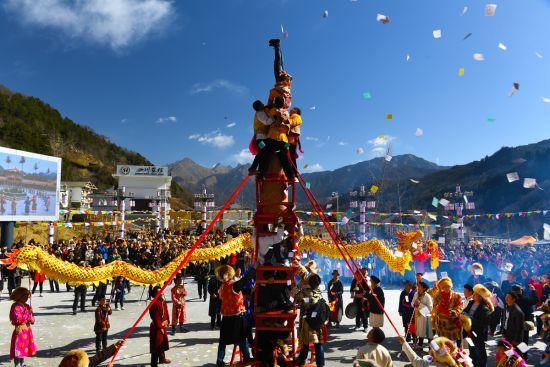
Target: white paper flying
(529, 183)
(502, 46)
(313, 108)
(546, 100)
(538, 55)
(512, 176)
(491, 343)
(388, 157)
(419, 132)
(479, 57)
(325, 14)
(490, 10)
(432, 216)
(360, 150)
(284, 32)
(414, 181)
(444, 202)
(384, 19)
(407, 57)
(464, 10)
(437, 33)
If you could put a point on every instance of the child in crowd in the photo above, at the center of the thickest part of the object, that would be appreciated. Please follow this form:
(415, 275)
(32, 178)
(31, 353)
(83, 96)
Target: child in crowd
(178, 293)
(118, 290)
(101, 326)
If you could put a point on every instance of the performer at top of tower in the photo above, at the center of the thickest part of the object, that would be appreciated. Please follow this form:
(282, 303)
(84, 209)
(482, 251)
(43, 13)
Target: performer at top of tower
(283, 80)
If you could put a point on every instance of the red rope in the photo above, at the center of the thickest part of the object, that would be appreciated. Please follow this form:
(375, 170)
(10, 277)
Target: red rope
(358, 275)
(184, 261)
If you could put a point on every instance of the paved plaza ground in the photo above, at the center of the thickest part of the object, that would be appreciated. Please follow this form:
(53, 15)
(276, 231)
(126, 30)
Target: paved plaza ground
(58, 331)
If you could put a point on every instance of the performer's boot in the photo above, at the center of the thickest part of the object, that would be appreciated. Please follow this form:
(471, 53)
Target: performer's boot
(174, 329)
(274, 42)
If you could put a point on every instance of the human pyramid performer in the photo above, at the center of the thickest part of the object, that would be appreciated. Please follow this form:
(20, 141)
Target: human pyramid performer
(276, 128)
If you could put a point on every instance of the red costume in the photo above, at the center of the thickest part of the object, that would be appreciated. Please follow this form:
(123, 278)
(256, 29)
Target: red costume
(232, 302)
(158, 336)
(178, 304)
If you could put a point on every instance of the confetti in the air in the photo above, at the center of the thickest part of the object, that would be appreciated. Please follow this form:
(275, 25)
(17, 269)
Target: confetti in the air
(538, 55)
(502, 46)
(479, 57)
(461, 72)
(367, 95)
(284, 32)
(490, 10)
(325, 14)
(436, 33)
(384, 19)
(419, 132)
(389, 116)
(546, 100)
(360, 150)
(467, 36)
(313, 108)
(491, 119)
(515, 87)
(408, 57)
(465, 10)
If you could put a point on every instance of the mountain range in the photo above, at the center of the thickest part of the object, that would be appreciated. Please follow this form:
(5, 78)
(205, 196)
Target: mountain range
(408, 182)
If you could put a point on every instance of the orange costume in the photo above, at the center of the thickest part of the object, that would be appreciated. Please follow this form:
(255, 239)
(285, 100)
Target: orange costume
(447, 307)
(178, 304)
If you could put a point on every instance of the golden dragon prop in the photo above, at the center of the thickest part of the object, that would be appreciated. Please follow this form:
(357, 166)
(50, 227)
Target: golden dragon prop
(35, 259)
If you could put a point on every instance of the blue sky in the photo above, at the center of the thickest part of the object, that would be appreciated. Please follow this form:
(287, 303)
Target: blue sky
(167, 78)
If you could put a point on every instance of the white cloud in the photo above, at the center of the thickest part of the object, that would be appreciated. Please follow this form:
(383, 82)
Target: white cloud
(243, 157)
(164, 120)
(218, 84)
(312, 138)
(316, 167)
(114, 23)
(215, 139)
(231, 124)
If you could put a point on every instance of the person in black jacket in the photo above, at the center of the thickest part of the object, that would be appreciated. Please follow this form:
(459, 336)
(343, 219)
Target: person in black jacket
(215, 303)
(203, 271)
(512, 327)
(335, 290)
(526, 300)
(479, 310)
(376, 303)
(358, 292)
